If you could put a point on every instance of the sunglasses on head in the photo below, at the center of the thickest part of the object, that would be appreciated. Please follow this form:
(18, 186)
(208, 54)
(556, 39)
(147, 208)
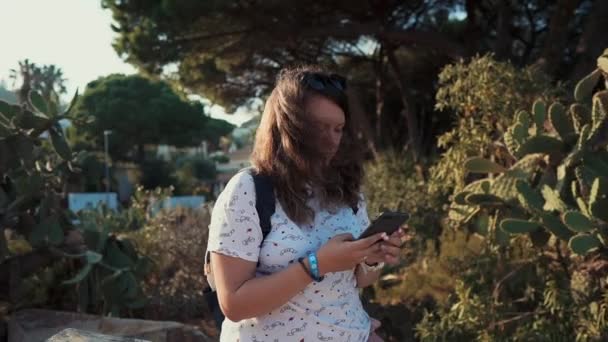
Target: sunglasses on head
(322, 82)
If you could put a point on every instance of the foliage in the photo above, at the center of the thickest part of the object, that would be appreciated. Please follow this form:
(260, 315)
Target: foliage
(46, 80)
(395, 182)
(176, 241)
(230, 53)
(215, 129)
(32, 181)
(220, 158)
(192, 174)
(405, 293)
(157, 173)
(186, 175)
(542, 274)
(483, 95)
(115, 285)
(557, 185)
(520, 297)
(138, 111)
(92, 177)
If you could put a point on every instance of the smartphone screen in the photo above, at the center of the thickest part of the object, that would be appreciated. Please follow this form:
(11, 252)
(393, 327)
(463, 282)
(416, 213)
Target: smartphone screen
(388, 222)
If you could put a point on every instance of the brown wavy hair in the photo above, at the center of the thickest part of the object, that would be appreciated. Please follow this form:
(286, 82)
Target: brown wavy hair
(286, 148)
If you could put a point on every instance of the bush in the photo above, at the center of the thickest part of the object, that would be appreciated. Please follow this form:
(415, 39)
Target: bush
(193, 174)
(157, 173)
(396, 182)
(220, 158)
(482, 96)
(542, 272)
(404, 295)
(176, 242)
(53, 254)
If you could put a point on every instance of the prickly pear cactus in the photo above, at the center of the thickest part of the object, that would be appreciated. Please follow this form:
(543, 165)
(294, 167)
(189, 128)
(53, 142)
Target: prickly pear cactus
(559, 184)
(33, 173)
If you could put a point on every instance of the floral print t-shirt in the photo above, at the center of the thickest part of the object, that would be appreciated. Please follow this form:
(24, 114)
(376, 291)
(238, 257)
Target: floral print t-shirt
(329, 310)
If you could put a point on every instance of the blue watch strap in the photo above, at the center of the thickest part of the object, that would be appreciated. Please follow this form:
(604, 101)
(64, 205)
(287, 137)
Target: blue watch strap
(314, 266)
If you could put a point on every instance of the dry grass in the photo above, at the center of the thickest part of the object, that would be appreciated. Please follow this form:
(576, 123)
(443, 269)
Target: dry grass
(176, 241)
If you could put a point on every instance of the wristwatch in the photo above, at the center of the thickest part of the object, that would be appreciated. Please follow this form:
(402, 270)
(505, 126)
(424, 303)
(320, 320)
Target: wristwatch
(370, 268)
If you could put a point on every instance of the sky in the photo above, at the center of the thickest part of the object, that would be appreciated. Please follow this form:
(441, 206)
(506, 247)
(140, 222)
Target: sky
(75, 35)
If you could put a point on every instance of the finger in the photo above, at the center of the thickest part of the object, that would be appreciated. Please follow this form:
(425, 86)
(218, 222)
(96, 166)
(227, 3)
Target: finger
(391, 260)
(344, 237)
(375, 249)
(389, 249)
(373, 258)
(370, 240)
(397, 233)
(394, 241)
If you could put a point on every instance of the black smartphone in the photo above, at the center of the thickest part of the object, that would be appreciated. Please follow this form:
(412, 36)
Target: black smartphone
(388, 222)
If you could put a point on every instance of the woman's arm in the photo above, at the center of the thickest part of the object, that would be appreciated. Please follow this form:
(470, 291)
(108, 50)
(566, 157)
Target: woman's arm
(241, 295)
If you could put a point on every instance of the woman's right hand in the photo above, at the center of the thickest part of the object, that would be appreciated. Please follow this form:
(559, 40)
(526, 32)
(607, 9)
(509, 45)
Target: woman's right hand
(343, 252)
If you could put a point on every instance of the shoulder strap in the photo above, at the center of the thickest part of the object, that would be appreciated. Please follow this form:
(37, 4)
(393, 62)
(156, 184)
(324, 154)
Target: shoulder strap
(264, 199)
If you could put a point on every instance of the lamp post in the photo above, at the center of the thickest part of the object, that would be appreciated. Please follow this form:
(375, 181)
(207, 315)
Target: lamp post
(106, 143)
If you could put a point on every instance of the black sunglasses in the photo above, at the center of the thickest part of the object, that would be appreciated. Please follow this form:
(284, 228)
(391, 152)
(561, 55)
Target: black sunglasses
(322, 82)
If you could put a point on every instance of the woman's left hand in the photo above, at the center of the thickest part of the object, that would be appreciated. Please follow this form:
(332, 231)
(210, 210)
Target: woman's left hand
(389, 250)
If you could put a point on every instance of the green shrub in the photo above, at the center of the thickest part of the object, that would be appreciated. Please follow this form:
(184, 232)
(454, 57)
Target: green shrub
(157, 173)
(220, 158)
(396, 182)
(193, 174)
(176, 241)
(542, 273)
(35, 162)
(482, 95)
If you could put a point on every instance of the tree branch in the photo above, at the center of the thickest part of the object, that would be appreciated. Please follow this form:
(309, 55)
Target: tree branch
(412, 121)
(206, 36)
(350, 31)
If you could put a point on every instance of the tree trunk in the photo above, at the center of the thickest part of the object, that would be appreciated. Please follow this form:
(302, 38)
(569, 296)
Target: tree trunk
(379, 96)
(473, 32)
(504, 41)
(592, 41)
(413, 132)
(363, 127)
(557, 37)
(26, 70)
(141, 153)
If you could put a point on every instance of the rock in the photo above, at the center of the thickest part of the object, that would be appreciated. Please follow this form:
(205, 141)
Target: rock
(75, 335)
(35, 325)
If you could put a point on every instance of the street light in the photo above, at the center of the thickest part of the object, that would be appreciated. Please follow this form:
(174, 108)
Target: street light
(106, 143)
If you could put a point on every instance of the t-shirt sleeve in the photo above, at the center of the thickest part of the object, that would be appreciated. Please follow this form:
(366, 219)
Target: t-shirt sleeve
(235, 226)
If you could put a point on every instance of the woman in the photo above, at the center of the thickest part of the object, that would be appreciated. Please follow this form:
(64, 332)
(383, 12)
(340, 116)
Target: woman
(300, 281)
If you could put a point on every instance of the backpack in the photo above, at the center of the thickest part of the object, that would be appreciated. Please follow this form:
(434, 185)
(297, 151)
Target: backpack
(265, 205)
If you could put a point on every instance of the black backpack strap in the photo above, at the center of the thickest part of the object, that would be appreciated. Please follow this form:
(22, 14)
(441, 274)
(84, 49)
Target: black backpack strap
(265, 206)
(264, 199)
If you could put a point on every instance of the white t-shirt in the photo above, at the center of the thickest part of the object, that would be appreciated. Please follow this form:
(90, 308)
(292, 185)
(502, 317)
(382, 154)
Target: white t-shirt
(329, 310)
